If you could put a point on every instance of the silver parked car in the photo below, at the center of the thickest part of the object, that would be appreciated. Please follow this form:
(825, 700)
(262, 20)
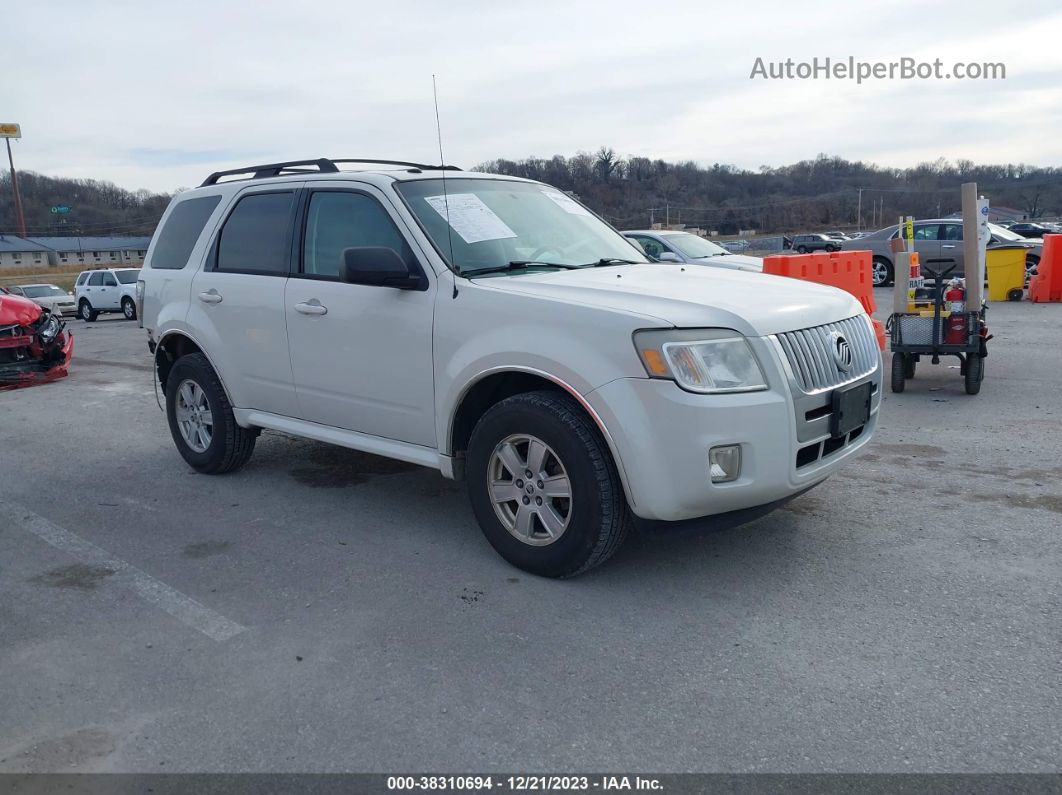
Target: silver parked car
(667, 246)
(938, 242)
(54, 299)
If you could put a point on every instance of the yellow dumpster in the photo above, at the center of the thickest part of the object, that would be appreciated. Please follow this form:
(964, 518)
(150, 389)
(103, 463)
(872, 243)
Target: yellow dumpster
(1006, 273)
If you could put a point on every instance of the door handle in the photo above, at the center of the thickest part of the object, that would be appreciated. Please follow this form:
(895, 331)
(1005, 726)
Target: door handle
(311, 307)
(952, 245)
(211, 296)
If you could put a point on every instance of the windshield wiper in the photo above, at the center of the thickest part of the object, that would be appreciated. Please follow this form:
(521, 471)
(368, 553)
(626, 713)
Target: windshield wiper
(519, 265)
(609, 261)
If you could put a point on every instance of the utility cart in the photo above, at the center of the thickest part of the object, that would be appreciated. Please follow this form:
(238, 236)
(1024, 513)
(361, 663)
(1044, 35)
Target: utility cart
(942, 332)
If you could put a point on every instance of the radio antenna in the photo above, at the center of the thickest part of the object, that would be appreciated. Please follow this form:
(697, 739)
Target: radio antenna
(446, 200)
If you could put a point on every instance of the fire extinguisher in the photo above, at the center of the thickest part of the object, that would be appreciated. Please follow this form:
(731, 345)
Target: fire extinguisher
(955, 296)
(955, 299)
(955, 330)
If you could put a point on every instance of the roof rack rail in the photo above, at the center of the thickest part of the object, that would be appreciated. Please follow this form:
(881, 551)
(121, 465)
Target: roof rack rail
(324, 166)
(407, 164)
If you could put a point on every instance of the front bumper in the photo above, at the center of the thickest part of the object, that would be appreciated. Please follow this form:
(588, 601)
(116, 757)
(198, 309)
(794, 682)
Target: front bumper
(662, 435)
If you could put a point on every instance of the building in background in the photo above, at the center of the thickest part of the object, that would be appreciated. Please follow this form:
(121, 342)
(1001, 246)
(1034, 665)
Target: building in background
(21, 252)
(86, 252)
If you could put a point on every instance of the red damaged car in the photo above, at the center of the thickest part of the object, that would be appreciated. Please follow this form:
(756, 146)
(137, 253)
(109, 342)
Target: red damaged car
(34, 345)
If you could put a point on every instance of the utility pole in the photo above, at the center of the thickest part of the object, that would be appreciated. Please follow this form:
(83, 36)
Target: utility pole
(859, 211)
(9, 131)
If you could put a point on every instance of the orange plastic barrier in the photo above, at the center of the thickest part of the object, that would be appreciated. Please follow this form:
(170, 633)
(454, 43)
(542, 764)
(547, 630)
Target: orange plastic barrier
(847, 270)
(879, 332)
(1046, 286)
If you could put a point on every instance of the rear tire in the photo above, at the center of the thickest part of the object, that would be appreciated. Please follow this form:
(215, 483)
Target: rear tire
(899, 371)
(909, 366)
(975, 373)
(129, 309)
(86, 312)
(1015, 294)
(225, 445)
(595, 516)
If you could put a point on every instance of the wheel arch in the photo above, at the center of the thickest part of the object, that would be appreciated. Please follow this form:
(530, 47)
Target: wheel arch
(492, 386)
(175, 344)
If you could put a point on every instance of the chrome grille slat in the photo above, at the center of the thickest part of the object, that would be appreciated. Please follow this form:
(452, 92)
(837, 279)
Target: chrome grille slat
(810, 354)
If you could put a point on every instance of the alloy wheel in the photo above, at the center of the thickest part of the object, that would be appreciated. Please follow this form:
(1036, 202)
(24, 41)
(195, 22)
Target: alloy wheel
(529, 489)
(194, 417)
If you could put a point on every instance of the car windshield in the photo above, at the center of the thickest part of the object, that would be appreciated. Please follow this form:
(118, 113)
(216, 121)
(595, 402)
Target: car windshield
(695, 247)
(495, 222)
(41, 290)
(127, 277)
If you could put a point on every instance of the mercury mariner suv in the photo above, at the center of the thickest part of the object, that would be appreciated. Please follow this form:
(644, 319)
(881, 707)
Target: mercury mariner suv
(497, 330)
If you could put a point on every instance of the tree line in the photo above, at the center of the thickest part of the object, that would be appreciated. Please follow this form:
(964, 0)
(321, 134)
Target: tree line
(825, 192)
(822, 193)
(96, 207)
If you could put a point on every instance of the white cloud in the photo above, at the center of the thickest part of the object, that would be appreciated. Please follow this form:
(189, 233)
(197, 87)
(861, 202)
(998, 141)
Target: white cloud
(158, 95)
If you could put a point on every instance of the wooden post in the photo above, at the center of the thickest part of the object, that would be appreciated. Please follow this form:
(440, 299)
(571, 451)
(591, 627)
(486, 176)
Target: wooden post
(971, 252)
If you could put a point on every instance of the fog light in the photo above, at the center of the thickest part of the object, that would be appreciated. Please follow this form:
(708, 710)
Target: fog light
(724, 463)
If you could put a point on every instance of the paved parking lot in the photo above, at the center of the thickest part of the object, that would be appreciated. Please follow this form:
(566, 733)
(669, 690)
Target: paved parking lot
(325, 610)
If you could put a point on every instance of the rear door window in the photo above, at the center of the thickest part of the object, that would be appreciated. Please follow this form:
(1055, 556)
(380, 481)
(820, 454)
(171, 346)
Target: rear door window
(179, 234)
(256, 234)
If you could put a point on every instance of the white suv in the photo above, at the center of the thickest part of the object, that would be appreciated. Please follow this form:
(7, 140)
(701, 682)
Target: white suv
(497, 330)
(106, 290)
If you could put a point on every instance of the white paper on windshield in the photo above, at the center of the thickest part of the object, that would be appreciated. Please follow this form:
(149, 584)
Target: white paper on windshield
(567, 203)
(470, 217)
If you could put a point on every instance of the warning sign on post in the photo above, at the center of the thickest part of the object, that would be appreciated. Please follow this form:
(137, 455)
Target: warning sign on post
(10, 130)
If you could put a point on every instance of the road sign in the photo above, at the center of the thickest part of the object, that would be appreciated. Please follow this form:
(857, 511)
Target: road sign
(60, 209)
(10, 130)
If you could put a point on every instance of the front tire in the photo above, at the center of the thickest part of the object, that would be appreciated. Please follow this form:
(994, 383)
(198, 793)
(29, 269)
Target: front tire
(129, 309)
(899, 372)
(86, 312)
(802, 249)
(201, 420)
(570, 514)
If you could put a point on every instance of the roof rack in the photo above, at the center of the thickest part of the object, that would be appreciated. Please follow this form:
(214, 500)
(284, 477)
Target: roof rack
(323, 165)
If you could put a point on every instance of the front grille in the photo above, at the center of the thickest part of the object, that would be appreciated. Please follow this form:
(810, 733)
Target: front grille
(810, 353)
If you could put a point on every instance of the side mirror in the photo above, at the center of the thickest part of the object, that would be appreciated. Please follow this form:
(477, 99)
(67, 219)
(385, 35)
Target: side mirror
(669, 256)
(377, 266)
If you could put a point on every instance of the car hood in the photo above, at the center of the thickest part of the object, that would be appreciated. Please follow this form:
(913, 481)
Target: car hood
(755, 304)
(741, 262)
(18, 311)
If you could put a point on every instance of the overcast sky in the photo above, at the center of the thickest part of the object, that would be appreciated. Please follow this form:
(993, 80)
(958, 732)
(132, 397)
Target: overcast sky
(157, 96)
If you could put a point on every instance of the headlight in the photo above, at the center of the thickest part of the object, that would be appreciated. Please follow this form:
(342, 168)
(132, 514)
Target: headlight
(701, 360)
(49, 329)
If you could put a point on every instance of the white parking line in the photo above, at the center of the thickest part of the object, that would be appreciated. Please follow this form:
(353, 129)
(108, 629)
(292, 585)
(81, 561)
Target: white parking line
(182, 607)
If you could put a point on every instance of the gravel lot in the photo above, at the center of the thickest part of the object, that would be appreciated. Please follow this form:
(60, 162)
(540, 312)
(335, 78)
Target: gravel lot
(325, 610)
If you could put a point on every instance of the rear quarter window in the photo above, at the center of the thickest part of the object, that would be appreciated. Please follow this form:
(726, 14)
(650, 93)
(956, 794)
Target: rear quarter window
(179, 234)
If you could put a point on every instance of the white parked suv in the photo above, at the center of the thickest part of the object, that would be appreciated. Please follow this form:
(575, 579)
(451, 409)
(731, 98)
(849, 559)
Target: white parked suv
(106, 290)
(497, 330)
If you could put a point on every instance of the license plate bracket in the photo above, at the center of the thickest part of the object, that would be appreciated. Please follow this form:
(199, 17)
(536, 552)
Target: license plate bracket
(851, 409)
